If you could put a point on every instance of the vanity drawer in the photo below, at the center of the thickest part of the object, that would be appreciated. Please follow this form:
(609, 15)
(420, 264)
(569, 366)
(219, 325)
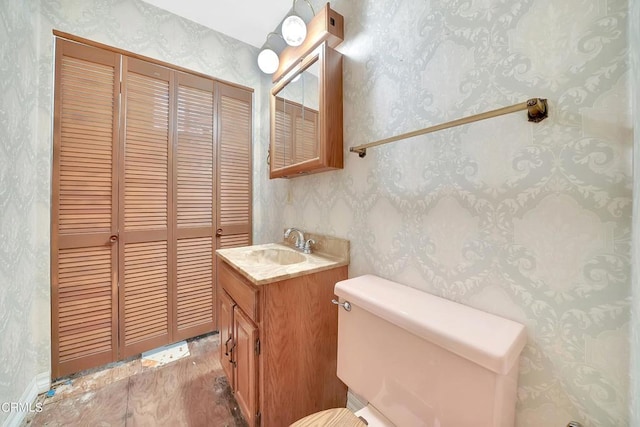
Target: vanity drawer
(243, 293)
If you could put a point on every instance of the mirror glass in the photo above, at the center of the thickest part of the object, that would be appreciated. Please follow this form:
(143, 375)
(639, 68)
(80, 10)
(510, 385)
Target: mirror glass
(296, 118)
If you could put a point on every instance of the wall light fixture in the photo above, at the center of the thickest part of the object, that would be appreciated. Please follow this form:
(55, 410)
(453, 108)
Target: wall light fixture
(268, 59)
(277, 58)
(294, 29)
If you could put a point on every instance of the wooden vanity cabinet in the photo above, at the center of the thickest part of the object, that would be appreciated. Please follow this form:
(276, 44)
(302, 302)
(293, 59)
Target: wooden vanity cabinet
(278, 345)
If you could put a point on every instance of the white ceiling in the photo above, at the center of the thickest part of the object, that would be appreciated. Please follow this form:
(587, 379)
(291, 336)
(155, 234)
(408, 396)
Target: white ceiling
(247, 20)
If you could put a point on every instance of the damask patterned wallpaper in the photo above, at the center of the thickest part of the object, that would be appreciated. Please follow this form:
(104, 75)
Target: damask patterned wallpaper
(634, 49)
(26, 77)
(528, 221)
(20, 278)
(531, 222)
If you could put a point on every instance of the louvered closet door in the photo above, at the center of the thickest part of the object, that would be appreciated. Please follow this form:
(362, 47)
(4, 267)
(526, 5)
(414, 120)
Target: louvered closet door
(84, 206)
(195, 208)
(145, 207)
(234, 110)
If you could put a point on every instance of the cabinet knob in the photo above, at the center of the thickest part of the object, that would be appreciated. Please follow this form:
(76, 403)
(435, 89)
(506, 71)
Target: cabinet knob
(219, 232)
(113, 238)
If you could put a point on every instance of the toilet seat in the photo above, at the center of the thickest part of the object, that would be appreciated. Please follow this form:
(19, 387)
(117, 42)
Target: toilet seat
(343, 417)
(336, 417)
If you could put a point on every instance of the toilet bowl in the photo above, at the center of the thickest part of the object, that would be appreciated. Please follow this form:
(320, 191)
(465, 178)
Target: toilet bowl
(418, 359)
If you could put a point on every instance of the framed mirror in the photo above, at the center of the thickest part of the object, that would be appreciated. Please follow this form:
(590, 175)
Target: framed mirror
(301, 106)
(297, 105)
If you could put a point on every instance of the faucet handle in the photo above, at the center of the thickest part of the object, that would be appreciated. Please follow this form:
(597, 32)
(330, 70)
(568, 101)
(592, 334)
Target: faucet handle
(307, 246)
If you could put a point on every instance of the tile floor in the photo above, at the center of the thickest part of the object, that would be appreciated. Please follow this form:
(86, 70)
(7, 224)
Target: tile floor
(190, 392)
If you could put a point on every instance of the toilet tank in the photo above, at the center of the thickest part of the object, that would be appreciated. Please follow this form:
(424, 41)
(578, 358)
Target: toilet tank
(422, 360)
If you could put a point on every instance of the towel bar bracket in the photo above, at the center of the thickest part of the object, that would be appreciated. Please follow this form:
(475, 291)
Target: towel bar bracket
(537, 109)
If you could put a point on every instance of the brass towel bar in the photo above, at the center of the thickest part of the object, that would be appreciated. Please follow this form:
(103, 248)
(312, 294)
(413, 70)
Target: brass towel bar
(537, 110)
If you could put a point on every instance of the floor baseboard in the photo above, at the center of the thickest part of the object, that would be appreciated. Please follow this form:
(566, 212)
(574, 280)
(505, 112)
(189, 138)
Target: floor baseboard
(38, 384)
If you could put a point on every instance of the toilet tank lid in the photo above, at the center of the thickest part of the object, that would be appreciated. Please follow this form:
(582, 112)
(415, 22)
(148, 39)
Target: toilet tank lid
(484, 338)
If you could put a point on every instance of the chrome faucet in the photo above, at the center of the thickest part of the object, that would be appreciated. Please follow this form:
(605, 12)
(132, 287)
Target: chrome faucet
(299, 238)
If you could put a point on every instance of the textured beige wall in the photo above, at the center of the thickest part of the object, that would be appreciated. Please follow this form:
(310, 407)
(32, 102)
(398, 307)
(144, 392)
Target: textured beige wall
(528, 221)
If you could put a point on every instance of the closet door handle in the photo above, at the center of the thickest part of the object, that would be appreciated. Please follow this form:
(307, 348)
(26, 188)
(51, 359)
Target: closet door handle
(219, 232)
(113, 238)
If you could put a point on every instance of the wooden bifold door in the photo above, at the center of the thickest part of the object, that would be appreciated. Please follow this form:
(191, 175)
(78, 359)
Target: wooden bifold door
(151, 173)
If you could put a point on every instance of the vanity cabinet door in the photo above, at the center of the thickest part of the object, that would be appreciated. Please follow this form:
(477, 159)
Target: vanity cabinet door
(226, 334)
(245, 361)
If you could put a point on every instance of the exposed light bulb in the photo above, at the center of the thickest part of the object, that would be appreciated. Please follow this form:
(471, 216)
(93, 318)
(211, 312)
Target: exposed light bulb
(268, 61)
(294, 30)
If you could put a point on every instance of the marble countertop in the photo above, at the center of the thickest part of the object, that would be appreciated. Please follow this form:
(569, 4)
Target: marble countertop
(260, 272)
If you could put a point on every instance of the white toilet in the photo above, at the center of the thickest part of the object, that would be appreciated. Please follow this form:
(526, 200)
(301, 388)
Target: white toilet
(421, 360)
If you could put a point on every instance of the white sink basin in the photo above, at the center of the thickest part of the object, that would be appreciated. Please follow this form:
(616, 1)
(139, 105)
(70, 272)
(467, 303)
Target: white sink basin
(275, 256)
